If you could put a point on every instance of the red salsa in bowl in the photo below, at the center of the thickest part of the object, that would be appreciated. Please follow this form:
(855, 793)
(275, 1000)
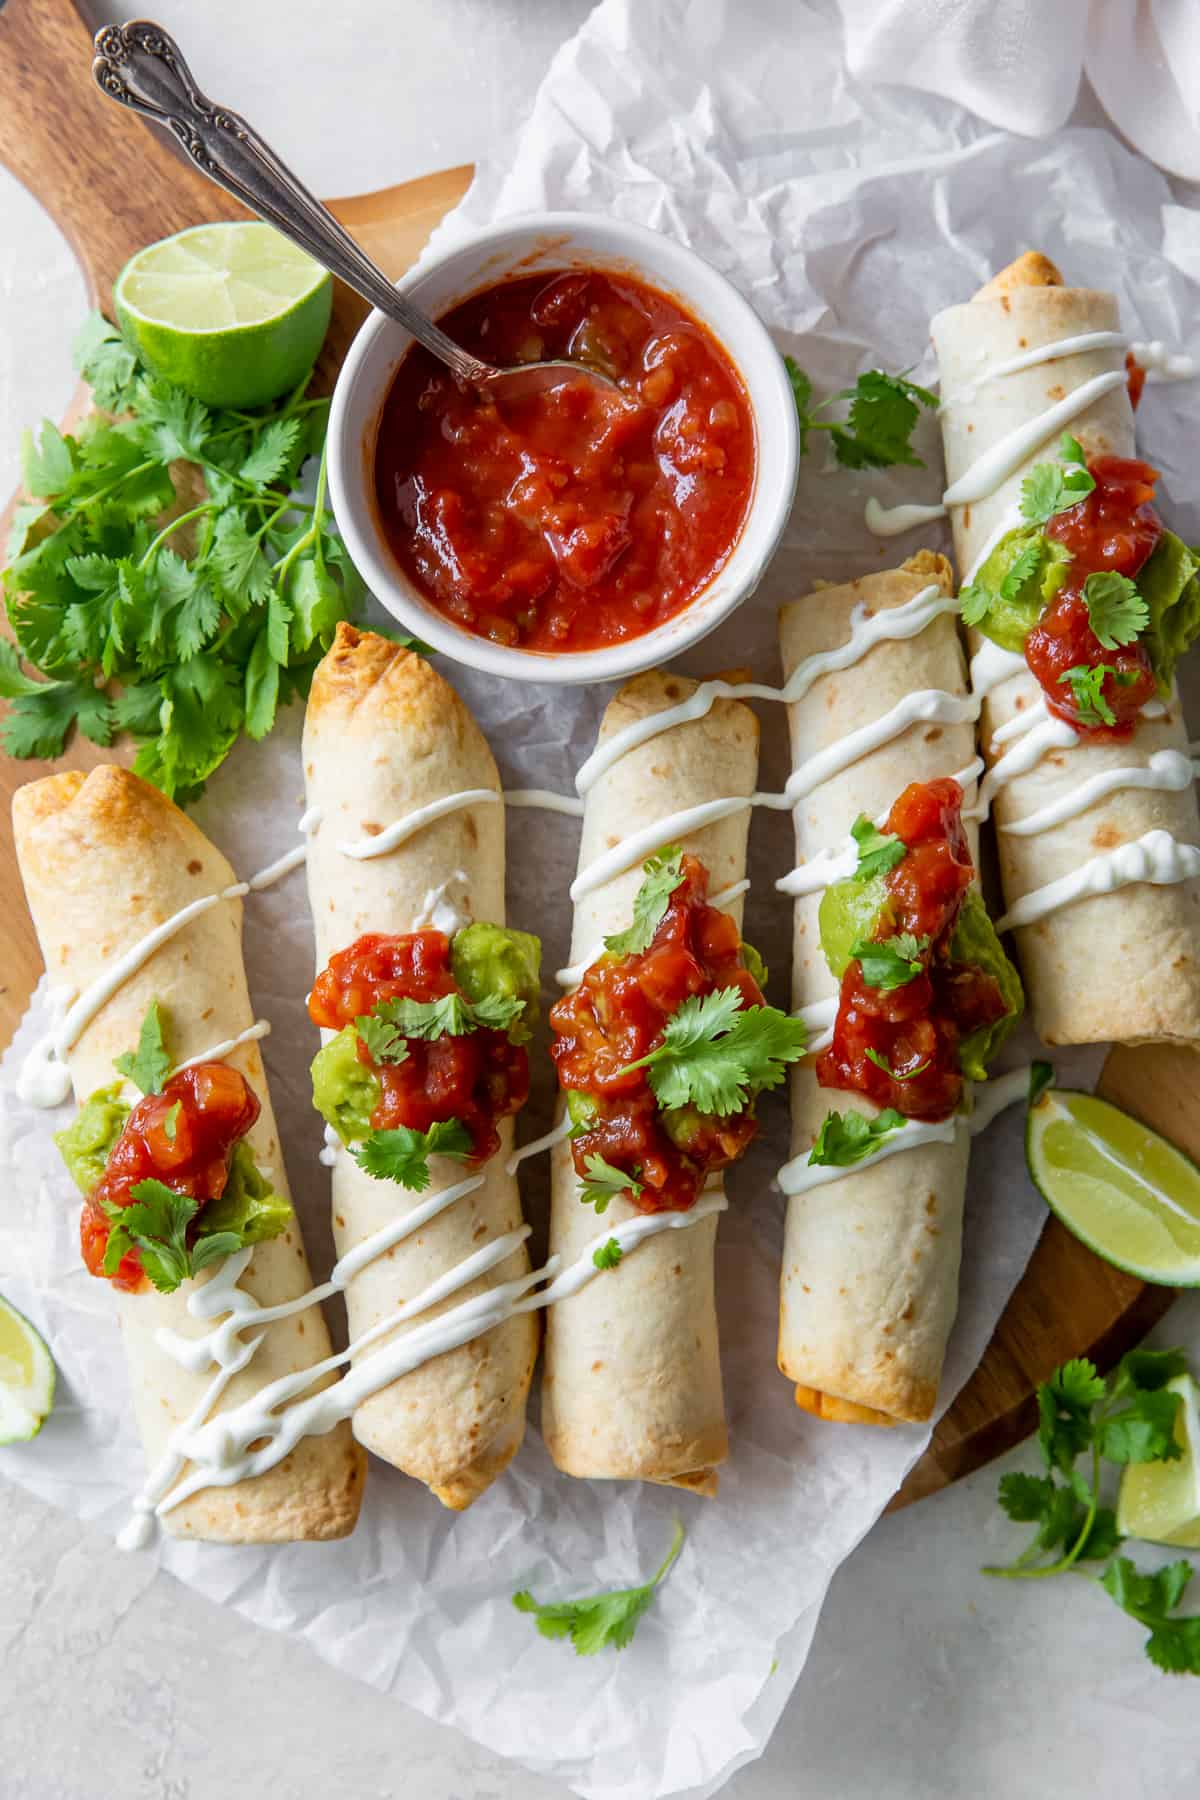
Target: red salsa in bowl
(577, 518)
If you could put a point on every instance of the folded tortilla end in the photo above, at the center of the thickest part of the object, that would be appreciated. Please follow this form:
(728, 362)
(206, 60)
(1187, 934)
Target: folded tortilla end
(1029, 270)
(931, 566)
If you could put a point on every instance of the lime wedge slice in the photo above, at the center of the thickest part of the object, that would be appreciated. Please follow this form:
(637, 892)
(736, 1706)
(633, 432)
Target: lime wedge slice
(1129, 1194)
(1160, 1501)
(234, 314)
(27, 1378)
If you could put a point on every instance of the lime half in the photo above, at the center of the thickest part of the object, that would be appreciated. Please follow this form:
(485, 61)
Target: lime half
(235, 314)
(26, 1378)
(1129, 1194)
(1160, 1501)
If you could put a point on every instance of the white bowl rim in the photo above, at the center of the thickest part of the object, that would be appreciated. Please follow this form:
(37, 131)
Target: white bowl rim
(778, 456)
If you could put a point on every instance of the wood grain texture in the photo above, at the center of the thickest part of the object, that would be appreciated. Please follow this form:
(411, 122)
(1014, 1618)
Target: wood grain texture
(113, 186)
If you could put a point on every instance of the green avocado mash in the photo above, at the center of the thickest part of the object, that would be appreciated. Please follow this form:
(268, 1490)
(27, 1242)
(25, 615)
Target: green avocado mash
(850, 910)
(1015, 606)
(87, 1140)
(582, 1111)
(345, 1091)
(490, 959)
(1170, 585)
(975, 942)
(249, 1206)
(755, 964)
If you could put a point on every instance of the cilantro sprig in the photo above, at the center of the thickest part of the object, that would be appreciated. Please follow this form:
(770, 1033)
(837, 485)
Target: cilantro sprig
(892, 962)
(848, 1138)
(608, 1255)
(881, 1062)
(385, 1030)
(149, 1065)
(883, 413)
(878, 851)
(663, 874)
(1051, 488)
(1087, 690)
(402, 1154)
(603, 1182)
(1117, 613)
(601, 1620)
(1128, 1418)
(163, 580)
(717, 1054)
(156, 1225)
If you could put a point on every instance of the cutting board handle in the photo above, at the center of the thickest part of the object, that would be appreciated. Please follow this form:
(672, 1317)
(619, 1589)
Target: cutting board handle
(107, 181)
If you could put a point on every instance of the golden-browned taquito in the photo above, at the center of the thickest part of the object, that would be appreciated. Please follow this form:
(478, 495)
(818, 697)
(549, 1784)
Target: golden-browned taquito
(105, 859)
(1121, 964)
(383, 737)
(869, 1284)
(632, 1382)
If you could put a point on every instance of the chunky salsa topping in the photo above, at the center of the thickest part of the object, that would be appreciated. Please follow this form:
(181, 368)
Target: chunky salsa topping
(1113, 529)
(898, 1041)
(183, 1137)
(617, 1015)
(477, 1077)
(573, 517)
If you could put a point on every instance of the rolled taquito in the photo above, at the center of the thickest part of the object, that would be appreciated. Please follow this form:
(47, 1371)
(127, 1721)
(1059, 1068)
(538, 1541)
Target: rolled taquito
(383, 736)
(1117, 965)
(105, 859)
(869, 1284)
(631, 1387)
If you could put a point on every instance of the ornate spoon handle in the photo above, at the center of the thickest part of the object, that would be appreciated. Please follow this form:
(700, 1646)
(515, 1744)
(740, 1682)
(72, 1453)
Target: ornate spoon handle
(140, 65)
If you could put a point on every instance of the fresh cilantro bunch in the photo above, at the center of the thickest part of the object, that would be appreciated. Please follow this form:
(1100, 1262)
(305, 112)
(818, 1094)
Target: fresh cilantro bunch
(1130, 1418)
(601, 1620)
(717, 1054)
(883, 413)
(162, 578)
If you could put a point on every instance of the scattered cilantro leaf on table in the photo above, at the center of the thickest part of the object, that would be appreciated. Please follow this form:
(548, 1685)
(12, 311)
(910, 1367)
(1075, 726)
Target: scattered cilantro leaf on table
(663, 874)
(165, 582)
(601, 1620)
(402, 1154)
(716, 1054)
(1128, 1418)
(883, 413)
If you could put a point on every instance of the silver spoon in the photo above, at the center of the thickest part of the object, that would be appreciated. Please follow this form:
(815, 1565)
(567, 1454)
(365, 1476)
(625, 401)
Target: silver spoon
(140, 66)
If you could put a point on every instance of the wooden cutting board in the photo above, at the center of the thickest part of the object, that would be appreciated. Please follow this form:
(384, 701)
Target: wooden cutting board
(112, 185)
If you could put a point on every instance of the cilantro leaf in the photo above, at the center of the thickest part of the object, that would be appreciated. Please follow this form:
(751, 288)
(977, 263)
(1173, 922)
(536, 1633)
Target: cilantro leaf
(603, 1183)
(402, 1154)
(39, 721)
(608, 1255)
(877, 851)
(883, 413)
(601, 1620)
(1116, 611)
(453, 1015)
(1051, 488)
(149, 1065)
(1143, 1430)
(1025, 564)
(663, 874)
(272, 452)
(974, 603)
(716, 1054)
(846, 1139)
(890, 963)
(105, 361)
(881, 1062)
(1087, 690)
(1041, 1077)
(1025, 1497)
(156, 1225)
(214, 1248)
(385, 1041)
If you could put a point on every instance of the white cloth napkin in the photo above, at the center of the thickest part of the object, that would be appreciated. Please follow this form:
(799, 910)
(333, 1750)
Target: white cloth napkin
(1018, 63)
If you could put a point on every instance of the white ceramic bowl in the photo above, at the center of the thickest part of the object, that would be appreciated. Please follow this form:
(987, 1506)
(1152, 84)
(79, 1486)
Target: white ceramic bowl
(556, 241)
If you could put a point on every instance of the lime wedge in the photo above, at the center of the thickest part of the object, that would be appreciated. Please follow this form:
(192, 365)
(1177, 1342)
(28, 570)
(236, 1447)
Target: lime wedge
(234, 314)
(26, 1378)
(1160, 1501)
(1120, 1187)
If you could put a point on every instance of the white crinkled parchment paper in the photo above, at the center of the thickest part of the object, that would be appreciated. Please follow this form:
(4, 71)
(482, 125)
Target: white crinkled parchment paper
(848, 218)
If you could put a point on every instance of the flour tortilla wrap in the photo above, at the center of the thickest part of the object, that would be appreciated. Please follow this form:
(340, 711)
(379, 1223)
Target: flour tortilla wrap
(1114, 965)
(105, 858)
(383, 735)
(631, 1387)
(869, 1286)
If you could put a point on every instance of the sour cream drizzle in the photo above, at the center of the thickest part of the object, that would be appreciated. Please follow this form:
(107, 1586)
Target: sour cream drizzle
(260, 1029)
(1156, 857)
(365, 848)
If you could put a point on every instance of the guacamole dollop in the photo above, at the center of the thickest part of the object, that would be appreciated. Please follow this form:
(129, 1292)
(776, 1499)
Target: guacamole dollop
(87, 1140)
(850, 910)
(975, 943)
(345, 1091)
(491, 959)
